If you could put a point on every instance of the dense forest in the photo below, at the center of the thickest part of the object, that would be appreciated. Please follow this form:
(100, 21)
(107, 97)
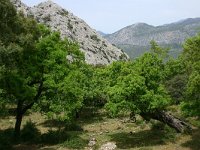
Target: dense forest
(42, 72)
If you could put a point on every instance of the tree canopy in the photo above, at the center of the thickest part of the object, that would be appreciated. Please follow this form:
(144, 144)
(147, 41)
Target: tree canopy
(34, 68)
(39, 67)
(191, 57)
(138, 85)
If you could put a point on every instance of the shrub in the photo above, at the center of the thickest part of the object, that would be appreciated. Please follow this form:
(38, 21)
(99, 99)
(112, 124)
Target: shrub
(166, 132)
(69, 25)
(95, 38)
(64, 13)
(6, 140)
(75, 143)
(54, 137)
(30, 133)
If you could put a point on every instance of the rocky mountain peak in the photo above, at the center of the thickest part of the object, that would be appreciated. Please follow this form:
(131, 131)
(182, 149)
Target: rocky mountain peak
(48, 5)
(140, 24)
(97, 50)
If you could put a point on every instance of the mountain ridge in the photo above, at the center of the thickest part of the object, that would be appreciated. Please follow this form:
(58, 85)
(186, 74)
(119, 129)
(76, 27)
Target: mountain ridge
(135, 39)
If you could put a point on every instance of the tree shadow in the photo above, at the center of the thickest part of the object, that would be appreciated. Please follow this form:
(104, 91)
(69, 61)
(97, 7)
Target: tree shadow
(87, 115)
(139, 139)
(194, 143)
(53, 137)
(9, 112)
(90, 115)
(53, 123)
(6, 139)
(32, 137)
(67, 126)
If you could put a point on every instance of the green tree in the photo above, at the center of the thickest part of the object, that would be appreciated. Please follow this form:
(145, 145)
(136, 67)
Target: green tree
(96, 87)
(139, 84)
(17, 41)
(138, 87)
(8, 22)
(42, 73)
(191, 57)
(160, 51)
(176, 79)
(34, 68)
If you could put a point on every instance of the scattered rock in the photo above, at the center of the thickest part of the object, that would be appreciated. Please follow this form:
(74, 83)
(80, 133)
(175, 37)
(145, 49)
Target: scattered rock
(108, 146)
(92, 142)
(70, 58)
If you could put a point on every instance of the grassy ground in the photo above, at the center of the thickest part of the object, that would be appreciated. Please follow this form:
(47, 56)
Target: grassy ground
(40, 133)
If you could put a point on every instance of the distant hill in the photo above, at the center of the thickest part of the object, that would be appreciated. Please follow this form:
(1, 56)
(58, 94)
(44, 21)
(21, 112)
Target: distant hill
(97, 50)
(135, 39)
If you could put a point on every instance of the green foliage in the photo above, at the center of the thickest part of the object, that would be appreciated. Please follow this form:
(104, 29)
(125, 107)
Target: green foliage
(191, 57)
(176, 79)
(137, 86)
(96, 95)
(34, 69)
(17, 45)
(8, 25)
(75, 143)
(161, 52)
(176, 87)
(174, 67)
(62, 81)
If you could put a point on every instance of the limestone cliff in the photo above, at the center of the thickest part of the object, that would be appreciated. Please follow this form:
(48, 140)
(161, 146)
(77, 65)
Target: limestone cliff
(97, 50)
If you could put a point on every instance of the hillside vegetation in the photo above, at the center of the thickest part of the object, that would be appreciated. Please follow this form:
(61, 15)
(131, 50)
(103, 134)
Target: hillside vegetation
(50, 98)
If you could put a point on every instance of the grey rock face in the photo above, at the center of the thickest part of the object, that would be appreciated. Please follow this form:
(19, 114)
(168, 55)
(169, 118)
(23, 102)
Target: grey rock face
(135, 39)
(97, 50)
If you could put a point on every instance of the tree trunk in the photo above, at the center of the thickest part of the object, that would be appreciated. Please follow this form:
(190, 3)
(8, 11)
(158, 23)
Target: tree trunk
(22, 110)
(172, 121)
(19, 116)
(18, 124)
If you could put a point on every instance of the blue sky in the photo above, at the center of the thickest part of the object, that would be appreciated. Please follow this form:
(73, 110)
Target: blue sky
(111, 15)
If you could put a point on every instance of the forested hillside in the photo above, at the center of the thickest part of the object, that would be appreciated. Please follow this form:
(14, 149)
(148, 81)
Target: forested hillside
(50, 98)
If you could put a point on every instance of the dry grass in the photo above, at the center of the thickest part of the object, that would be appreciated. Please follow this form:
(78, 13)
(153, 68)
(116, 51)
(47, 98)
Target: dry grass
(130, 136)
